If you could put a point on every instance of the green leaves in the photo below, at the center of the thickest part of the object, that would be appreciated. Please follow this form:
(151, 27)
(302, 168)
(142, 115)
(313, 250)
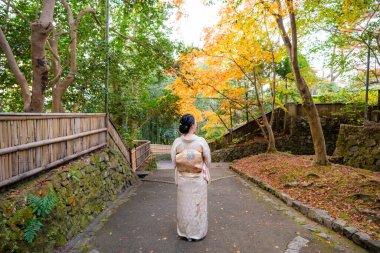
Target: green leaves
(41, 207)
(31, 230)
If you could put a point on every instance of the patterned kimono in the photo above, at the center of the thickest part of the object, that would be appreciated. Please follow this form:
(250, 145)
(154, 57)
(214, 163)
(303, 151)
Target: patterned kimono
(189, 155)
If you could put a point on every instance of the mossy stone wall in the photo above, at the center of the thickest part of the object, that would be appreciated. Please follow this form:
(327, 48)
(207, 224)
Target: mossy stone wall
(359, 146)
(298, 141)
(82, 188)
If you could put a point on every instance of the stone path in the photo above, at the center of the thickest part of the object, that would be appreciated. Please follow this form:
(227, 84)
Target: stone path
(242, 218)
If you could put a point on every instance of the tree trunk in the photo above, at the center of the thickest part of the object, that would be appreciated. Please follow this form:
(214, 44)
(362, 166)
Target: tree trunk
(57, 101)
(308, 103)
(20, 78)
(268, 127)
(60, 86)
(41, 29)
(270, 136)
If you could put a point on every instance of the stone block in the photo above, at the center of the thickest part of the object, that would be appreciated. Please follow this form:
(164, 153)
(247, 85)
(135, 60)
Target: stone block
(304, 209)
(287, 199)
(361, 239)
(328, 221)
(354, 149)
(370, 143)
(320, 216)
(373, 246)
(338, 225)
(297, 205)
(349, 231)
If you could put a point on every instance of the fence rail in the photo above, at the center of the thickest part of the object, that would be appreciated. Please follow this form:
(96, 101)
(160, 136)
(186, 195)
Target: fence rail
(116, 140)
(140, 153)
(159, 149)
(31, 142)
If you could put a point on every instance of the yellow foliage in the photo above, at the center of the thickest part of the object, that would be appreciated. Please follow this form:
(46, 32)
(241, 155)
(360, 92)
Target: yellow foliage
(241, 42)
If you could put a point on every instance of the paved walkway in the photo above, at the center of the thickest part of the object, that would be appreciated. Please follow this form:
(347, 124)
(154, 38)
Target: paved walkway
(242, 218)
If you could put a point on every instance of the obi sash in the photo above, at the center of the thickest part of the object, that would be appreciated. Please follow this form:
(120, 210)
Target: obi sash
(189, 161)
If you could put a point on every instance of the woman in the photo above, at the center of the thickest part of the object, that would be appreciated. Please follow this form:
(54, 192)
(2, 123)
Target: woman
(191, 158)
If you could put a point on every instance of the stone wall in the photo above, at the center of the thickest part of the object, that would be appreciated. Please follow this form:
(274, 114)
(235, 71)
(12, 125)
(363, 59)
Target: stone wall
(359, 146)
(298, 141)
(234, 152)
(82, 189)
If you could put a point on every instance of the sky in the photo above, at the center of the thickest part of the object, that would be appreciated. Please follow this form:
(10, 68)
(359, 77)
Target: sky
(189, 28)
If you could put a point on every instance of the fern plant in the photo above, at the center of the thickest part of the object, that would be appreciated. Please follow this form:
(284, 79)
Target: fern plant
(31, 230)
(41, 207)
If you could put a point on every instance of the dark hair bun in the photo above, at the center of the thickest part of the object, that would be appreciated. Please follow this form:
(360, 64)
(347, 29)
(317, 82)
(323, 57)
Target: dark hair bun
(186, 121)
(184, 129)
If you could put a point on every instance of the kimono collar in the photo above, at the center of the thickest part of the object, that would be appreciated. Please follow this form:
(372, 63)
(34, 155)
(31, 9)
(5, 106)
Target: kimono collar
(189, 138)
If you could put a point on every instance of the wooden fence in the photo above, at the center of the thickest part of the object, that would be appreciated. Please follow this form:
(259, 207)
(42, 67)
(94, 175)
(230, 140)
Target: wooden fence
(140, 153)
(159, 149)
(116, 141)
(31, 142)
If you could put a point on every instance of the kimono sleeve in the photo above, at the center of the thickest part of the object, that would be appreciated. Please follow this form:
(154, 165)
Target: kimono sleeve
(173, 151)
(206, 153)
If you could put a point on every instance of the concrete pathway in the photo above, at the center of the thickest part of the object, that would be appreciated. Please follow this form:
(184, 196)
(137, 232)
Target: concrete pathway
(242, 218)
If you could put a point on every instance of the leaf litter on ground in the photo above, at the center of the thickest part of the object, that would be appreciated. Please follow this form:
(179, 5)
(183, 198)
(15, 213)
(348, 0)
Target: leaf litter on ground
(347, 193)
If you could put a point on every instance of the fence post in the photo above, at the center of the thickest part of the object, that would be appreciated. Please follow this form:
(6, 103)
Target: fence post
(133, 160)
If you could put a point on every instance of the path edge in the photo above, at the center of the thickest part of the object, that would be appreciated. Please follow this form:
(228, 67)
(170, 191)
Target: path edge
(318, 215)
(81, 240)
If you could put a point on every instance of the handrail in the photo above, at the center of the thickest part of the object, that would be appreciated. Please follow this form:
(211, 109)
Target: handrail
(117, 131)
(116, 139)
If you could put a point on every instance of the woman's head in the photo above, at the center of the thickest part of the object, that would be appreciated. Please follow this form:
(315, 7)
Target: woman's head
(187, 123)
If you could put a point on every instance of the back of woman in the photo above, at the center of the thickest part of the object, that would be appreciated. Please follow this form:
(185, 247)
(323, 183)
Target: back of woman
(191, 158)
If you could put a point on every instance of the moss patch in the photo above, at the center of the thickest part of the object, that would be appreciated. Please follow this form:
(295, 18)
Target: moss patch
(82, 189)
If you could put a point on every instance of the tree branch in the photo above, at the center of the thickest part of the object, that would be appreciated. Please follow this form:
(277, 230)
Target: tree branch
(57, 68)
(220, 118)
(16, 10)
(21, 80)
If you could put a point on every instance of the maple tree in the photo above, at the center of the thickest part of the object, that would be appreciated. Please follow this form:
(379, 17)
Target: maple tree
(291, 43)
(239, 56)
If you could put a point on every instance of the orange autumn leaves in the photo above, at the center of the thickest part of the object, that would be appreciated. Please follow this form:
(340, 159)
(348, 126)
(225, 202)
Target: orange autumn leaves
(239, 43)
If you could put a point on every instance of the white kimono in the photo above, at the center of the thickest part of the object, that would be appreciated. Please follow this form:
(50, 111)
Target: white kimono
(189, 155)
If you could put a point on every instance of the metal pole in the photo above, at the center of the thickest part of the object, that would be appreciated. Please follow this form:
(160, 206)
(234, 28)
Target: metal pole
(107, 55)
(367, 78)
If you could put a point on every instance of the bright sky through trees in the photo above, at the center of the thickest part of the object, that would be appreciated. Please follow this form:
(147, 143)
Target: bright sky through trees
(198, 16)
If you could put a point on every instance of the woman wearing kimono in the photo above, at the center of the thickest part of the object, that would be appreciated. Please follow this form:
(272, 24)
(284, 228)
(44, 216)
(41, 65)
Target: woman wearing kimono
(191, 157)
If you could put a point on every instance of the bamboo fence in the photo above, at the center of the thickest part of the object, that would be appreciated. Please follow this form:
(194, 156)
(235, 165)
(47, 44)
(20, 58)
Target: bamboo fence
(33, 142)
(30, 142)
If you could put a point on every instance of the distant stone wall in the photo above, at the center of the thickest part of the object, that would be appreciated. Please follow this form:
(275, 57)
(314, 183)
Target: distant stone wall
(82, 190)
(298, 141)
(359, 146)
(235, 152)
